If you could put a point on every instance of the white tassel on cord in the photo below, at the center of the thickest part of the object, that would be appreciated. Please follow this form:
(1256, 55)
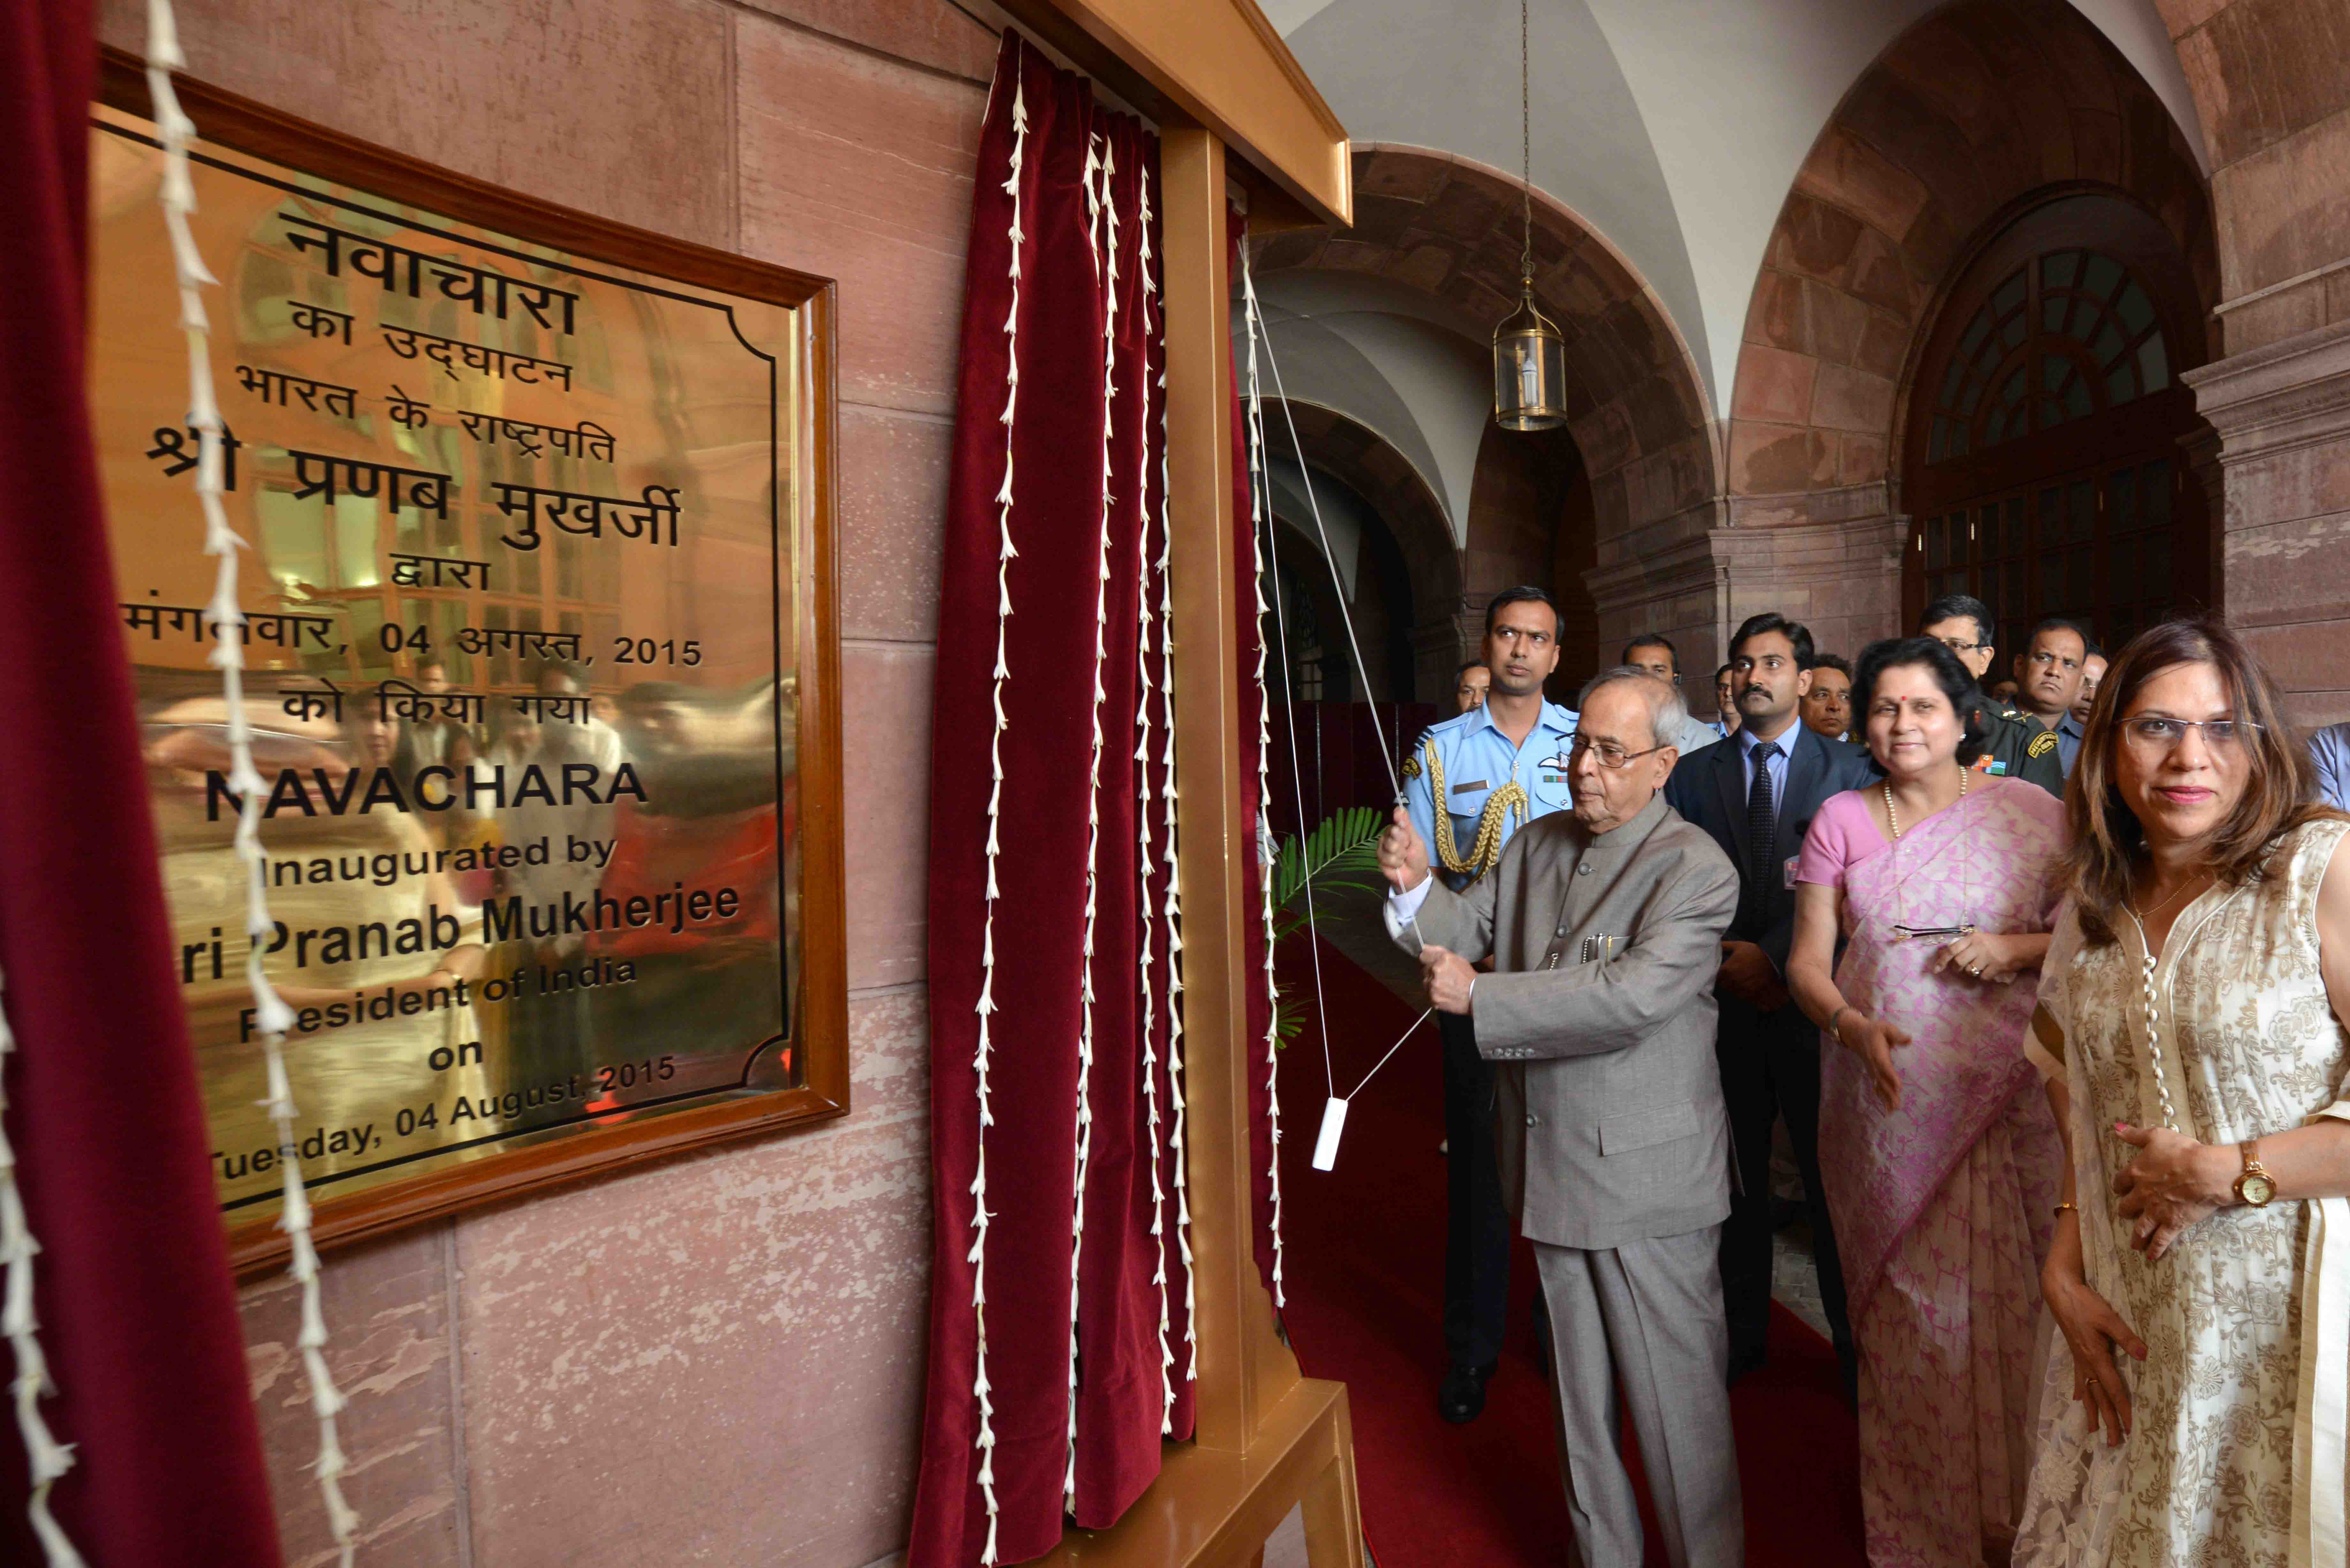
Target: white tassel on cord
(1102, 234)
(46, 1459)
(1264, 806)
(1142, 811)
(977, 1257)
(272, 1015)
(1174, 906)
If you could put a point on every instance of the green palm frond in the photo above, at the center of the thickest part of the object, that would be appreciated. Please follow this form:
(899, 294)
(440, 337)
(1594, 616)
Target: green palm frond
(1339, 853)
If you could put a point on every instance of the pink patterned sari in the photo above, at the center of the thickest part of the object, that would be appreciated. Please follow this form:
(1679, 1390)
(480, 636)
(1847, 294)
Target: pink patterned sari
(1942, 1207)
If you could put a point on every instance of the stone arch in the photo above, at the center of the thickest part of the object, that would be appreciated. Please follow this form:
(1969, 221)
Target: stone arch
(1418, 546)
(2273, 99)
(1447, 228)
(2270, 88)
(1965, 121)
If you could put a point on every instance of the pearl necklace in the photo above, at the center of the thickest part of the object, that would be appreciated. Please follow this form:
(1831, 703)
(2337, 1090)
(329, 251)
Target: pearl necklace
(2148, 995)
(1893, 817)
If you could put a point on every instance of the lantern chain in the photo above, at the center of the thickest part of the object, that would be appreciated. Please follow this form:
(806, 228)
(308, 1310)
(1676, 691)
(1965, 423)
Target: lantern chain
(1526, 150)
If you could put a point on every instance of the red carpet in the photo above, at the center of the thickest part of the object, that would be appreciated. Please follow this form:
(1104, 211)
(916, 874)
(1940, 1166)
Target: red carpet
(1364, 1272)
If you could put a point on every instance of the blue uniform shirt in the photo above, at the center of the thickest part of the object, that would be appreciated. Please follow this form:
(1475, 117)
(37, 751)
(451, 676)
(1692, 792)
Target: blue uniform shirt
(1477, 759)
(2330, 749)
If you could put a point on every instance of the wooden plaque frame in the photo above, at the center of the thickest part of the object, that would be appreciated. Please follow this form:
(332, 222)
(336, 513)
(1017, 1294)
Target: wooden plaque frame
(819, 1017)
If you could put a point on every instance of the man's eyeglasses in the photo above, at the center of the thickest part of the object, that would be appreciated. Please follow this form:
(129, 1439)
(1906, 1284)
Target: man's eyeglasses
(2155, 736)
(1610, 754)
(1956, 645)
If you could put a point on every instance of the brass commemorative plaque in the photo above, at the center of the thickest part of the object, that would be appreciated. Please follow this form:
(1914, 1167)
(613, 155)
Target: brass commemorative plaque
(528, 639)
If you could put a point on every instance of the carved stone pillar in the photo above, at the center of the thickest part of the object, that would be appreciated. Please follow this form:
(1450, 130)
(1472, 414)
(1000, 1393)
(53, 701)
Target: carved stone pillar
(1841, 578)
(2282, 412)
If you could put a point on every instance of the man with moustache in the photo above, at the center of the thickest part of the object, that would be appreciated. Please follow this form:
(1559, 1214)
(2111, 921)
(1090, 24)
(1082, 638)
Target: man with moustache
(1469, 683)
(2048, 678)
(1827, 705)
(2015, 748)
(1755, 794)
(1470, 783)
(1605, 923)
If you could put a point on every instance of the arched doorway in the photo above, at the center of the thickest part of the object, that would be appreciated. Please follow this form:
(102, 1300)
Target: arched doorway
(2044, 467)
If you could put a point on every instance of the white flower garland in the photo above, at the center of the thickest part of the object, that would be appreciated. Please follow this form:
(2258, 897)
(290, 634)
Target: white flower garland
(1264, 782)
(1143, 818)
(977, 1257)
(1173, 910)
(273, 1018)
(1102, 234)
(46, 1459)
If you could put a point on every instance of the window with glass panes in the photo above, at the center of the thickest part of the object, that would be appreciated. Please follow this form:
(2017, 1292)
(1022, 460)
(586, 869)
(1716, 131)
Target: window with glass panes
(2051, 478)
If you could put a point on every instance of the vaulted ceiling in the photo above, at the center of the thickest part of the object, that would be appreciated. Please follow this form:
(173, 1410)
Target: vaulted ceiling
(1673, 129)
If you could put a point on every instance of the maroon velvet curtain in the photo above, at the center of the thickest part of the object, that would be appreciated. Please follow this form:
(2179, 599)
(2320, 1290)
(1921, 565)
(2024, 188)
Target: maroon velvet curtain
(1052, 1047)
(138, 1319)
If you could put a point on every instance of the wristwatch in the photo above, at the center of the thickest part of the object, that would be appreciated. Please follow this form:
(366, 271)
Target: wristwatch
(2256, 1187)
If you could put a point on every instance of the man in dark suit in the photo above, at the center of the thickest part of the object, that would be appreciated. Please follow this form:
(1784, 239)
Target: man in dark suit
(1756, 792)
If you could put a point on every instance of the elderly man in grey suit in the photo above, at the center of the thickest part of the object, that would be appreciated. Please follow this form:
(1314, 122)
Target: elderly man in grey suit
(1605, 928)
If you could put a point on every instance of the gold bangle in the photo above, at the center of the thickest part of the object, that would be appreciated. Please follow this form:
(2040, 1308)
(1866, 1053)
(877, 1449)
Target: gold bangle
(2061, 1208)
(1836, 1025)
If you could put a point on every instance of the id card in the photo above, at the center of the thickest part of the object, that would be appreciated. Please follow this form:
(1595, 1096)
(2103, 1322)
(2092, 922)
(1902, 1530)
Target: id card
(1789, 872)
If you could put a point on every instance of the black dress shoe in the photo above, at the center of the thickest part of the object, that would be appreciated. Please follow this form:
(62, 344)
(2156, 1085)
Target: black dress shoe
(1461, 1397)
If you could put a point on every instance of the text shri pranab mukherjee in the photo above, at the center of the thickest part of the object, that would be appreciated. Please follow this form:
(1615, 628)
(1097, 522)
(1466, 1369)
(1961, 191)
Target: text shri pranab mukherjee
(1605, 928)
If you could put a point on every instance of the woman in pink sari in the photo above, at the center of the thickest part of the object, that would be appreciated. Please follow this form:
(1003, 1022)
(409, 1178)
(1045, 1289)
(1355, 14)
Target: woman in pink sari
(1940, 1157)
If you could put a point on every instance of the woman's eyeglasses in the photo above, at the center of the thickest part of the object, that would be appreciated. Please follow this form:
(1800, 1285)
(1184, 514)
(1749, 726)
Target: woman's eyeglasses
(2155, 735)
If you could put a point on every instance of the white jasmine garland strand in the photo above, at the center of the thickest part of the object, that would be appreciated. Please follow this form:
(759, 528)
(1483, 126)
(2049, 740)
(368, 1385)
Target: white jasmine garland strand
(1100, 159)
(1173, 912)
(1260, 477)
(46, 1459)
(977, 1257)
(1142, 805)
(272, 1017)
(1257, 522)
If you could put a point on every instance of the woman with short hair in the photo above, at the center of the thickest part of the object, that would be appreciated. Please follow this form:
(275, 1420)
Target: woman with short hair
(2190, 1030)
(1940, 1160)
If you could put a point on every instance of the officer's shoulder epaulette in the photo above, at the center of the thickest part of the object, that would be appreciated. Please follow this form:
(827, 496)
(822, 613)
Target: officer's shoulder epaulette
(1445, 728)
(1411, 762)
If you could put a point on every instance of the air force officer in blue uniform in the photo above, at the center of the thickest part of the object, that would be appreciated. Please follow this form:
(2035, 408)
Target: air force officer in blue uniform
(1496, 768)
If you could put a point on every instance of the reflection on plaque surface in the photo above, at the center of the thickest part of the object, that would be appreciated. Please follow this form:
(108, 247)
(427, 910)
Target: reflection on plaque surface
(521, 645)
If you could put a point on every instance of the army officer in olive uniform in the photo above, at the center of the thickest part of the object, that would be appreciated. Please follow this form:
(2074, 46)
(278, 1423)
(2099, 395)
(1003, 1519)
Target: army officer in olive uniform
(2017, 747)
(1496, 768)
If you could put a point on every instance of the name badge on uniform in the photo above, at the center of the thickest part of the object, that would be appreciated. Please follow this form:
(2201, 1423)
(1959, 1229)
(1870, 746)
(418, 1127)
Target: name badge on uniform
(1465, 788)
(1788, 871)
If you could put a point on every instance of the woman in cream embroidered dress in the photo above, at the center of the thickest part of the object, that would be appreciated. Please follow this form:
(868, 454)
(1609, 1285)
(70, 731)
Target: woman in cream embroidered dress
(2190, 1025)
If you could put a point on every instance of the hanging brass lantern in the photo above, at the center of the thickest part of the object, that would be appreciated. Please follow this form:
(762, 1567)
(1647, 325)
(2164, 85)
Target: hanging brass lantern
(1529, 370)
(1529, 350)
